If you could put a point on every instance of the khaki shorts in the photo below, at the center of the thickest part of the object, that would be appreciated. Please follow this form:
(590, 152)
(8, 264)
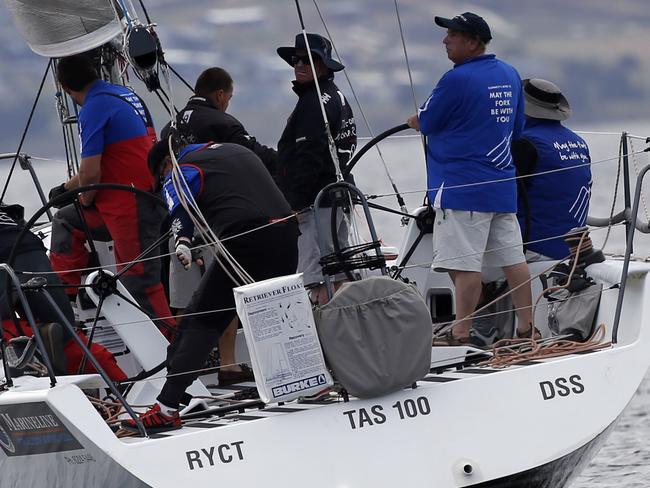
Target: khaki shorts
(308, 248)
(467, 241)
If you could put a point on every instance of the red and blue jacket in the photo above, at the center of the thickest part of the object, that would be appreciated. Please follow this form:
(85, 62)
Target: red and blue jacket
(115, 123)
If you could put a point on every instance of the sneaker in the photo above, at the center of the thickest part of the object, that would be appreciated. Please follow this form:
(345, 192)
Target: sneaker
(231, 377)
(319, 396)
(154, 421)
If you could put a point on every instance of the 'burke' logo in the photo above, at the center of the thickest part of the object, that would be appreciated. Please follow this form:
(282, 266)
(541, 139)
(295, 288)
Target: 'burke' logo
(299, 385)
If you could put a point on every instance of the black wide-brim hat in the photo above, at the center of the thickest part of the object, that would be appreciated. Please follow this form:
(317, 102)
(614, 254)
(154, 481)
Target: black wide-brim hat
(318, 45)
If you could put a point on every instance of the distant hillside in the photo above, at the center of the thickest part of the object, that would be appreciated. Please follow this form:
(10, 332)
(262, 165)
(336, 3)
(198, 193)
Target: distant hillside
(594, 49)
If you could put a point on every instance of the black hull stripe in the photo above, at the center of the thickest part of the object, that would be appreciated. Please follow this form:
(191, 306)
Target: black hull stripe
(556, 474)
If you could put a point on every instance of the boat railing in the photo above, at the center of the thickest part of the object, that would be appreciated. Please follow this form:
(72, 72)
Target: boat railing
(341, 195)
(633, 212)
(38, 285)
(26, 164)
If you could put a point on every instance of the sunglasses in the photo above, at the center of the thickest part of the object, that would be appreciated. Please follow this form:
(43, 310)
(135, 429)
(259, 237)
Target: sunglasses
(304, 59)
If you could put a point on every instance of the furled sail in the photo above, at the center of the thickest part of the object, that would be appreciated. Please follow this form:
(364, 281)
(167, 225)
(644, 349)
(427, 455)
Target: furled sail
(58, 28)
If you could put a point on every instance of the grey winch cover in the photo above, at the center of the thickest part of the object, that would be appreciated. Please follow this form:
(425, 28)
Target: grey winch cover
(376, 335)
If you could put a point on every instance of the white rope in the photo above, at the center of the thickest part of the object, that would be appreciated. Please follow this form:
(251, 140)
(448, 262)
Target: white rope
(219, 251)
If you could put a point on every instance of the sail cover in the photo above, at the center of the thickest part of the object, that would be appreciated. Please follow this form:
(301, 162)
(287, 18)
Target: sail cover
(58, 28)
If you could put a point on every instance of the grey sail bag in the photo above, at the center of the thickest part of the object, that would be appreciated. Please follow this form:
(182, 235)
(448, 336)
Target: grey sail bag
(376, 335)
(574, 313)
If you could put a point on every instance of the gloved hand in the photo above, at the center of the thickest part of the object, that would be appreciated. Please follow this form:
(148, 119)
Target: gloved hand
(197, 254)
(58, 191)
(183, 252)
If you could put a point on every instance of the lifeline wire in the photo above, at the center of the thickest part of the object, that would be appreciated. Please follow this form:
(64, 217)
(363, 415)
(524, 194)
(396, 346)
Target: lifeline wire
(501, 180)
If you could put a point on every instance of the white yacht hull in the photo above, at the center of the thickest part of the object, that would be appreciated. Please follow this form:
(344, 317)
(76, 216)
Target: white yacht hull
(532, 425)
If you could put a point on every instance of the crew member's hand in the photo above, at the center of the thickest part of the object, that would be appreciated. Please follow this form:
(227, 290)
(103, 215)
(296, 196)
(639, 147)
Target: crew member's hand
(413, 123)
(183, 252)
(58, 191)
(197, 254)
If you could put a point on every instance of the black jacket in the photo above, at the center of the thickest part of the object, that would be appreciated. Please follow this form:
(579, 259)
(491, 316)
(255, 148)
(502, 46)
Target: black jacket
(304, 162)
(11, 224)
(201, 122)
(231, 188)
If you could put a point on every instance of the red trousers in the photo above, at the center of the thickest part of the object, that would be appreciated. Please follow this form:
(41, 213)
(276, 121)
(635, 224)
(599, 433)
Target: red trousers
(133, 223)
(74, 353)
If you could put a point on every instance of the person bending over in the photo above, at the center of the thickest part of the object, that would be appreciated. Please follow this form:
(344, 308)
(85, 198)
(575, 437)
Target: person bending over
(236, 194)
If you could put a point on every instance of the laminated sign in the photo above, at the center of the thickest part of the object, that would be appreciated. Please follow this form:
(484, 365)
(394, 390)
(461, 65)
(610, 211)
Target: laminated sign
(282, 340)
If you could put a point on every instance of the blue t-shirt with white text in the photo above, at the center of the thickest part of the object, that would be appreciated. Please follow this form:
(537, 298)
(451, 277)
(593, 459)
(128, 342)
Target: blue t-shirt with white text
(473, 114)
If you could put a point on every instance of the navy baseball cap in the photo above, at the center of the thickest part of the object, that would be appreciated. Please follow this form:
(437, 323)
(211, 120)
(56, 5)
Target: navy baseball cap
(467, 22)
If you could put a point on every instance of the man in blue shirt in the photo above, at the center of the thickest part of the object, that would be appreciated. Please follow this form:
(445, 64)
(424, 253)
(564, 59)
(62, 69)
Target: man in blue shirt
(550, 204)
(474, 113)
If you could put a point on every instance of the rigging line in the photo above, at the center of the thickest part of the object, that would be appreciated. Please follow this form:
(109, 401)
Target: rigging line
(516, 309)
(24, 135)
(400, 200)
(63, 111)
(512, 290)
(155, 245)
(146, 14)
(407, 136)
(197, 217)
(502, 180)
(596, 133)
(119, 7)
(168, 317)
(408, 69)
(618, 177)
(636, 170)
(190, 87)
(126, 263)
(182, 373)
(328, 132)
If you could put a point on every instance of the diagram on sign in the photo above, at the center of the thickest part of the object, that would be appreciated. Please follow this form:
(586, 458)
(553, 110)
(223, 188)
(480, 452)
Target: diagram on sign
(276, 363)
(294, 314)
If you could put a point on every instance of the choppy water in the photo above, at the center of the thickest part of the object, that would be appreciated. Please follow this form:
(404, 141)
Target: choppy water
(624, 460)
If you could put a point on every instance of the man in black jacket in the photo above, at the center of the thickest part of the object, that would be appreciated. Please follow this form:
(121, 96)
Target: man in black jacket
(204, 118)
(305, 164)
(244, 208)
